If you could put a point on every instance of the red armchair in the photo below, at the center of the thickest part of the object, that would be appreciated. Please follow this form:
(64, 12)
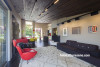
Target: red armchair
(19, 41)
(23, 37)
(27, 53)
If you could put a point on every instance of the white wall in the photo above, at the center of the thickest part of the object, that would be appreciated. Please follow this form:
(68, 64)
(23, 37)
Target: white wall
(84, 23)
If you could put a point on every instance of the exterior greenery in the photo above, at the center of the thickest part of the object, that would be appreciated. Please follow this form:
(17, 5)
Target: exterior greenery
(29, 30)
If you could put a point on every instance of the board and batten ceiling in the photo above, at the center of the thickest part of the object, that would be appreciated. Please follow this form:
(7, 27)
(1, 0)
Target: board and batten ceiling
(31, 9)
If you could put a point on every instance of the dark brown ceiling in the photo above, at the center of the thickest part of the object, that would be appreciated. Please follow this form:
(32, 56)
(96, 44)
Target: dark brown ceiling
(31, 9)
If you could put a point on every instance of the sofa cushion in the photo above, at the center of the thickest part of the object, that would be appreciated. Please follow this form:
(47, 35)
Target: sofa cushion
(68, 47)
(86, 47)
(82, 51)
(95, 53)
(71, 43)
(23, 45)
(62, 43)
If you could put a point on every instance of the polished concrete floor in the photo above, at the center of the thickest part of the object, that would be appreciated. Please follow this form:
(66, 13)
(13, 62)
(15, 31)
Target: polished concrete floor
(50, 57)
(14, 61)
(41, 44)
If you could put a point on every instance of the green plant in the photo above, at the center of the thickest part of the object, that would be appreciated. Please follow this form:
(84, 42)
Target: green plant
(28, 30)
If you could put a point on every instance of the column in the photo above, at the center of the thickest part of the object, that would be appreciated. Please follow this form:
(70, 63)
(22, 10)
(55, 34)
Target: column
(23, 27)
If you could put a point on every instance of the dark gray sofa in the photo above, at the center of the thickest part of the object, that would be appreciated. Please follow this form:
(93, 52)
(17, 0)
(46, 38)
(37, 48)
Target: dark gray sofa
(73, 47)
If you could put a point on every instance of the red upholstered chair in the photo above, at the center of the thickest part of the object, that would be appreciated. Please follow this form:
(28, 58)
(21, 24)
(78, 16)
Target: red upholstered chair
(22, 40)
(19, 41)
(23, 37)
(27, 53)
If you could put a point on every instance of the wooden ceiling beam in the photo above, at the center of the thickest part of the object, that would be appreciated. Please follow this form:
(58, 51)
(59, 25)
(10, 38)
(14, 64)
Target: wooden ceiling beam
(30, 9)
(83, 11)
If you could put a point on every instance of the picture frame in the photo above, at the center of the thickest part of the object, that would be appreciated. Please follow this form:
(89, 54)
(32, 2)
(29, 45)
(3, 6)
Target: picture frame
(65, 31)
(92, 29)
(76, 30)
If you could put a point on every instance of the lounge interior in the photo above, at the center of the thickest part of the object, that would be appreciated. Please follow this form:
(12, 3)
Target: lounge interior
(49, 33)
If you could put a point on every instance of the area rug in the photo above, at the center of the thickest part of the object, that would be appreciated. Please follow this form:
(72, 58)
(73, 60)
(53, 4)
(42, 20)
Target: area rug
(50, 57)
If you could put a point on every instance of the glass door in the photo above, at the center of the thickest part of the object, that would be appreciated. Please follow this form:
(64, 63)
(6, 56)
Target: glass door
(3, 34)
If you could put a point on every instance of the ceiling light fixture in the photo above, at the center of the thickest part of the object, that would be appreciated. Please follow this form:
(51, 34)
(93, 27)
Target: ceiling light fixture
(77, 18)
(56, 1)
(62, 22)
(68, 21)
(46, 10)
(58, 24)
(94, 13)
(41, 13)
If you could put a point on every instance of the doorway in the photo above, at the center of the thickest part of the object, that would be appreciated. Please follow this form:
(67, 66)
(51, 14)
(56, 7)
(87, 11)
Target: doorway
(38, 34)
(54, 31)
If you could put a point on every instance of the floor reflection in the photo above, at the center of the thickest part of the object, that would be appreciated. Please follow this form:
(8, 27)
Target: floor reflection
(40, 43)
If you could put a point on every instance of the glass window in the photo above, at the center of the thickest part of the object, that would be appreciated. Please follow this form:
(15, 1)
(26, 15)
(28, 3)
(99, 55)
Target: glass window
(3, 34)
(29, 29)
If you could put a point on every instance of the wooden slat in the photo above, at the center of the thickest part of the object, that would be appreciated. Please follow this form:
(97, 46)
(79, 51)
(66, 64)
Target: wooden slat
(64, 8)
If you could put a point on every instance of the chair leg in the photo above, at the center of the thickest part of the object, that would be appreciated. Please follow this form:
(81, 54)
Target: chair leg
(27, 61)
(21, 62)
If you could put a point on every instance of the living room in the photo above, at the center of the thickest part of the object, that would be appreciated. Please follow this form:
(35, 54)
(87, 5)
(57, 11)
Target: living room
(58, 33)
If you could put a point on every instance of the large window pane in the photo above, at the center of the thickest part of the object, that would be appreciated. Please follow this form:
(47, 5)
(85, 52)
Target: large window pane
(29, 29)
(3, 34)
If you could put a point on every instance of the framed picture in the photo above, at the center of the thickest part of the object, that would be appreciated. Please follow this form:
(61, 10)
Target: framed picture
(92, 29)
(65, 31)
(76, 30)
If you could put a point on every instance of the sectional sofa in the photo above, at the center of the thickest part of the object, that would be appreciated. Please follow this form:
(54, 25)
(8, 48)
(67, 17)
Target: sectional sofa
(74, 47)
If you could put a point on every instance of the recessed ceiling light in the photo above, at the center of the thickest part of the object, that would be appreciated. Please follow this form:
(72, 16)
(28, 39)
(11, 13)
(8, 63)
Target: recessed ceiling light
(56, 1)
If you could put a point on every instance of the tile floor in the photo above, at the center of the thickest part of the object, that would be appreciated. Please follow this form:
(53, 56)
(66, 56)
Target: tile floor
(50, 57)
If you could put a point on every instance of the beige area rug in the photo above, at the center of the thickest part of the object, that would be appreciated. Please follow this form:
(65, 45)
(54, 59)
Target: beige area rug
(50, 57)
